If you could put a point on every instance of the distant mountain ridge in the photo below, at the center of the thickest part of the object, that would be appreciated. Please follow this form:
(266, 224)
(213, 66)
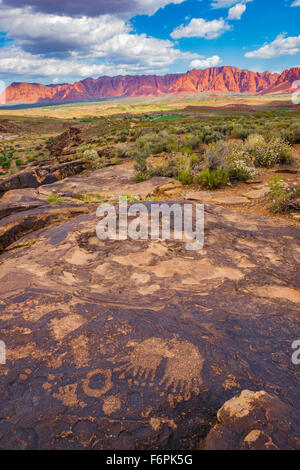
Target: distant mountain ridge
(215, 80)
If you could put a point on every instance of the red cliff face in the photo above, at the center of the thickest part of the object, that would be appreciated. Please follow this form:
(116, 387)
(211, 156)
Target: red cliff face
(284, 82)
(215, 80)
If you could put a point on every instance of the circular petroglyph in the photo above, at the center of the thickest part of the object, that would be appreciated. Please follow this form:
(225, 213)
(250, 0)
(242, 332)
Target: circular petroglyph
(97, 392)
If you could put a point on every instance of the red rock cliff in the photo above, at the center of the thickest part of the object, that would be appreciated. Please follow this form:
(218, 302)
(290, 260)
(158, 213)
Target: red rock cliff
(218, 80)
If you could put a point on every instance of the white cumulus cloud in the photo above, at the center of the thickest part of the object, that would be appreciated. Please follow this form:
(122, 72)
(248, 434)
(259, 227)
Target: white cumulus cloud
(236, 12)
(38, 32)
(81, 46)
(213, 61)
(281, 46)
(199, 27)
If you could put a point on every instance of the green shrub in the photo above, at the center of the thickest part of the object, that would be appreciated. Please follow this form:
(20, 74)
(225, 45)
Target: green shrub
(141, 167)
(185, 177)
(54, 199)
(179, 167)
(213, 179)
(254, 141)
(89, 197)
(284, 150)
(158, 143)
(278, 194)
(240, 132)
(212, 137)
(192, 141)
(292, 135)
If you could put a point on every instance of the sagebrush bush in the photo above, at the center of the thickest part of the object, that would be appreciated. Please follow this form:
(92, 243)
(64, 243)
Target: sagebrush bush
(158, 143)
(121, 150)
(253, 141)
(240, 132)
(284, 151)
(179, 167)
(238, 162)
(291, 135)
(215, 155)
(90, 155)
(211, 137)
(232, 157)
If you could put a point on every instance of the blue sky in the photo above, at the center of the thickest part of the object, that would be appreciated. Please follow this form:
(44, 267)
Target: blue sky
(54, 42)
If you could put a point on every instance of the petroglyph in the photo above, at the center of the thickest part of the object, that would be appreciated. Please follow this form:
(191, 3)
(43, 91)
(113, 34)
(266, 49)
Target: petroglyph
(63, 326)
(156, 423)
(106, 374)
(80, 351)
(183, 369)
(180, 361)
(67, 395)
(111, 404)
(145, 358)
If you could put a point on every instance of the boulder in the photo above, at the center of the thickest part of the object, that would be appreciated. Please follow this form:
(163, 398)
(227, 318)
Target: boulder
(36, 176)
(255, 421)
(65, 141)
(22, 220)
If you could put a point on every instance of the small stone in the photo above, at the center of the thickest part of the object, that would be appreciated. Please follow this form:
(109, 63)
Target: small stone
(257, 194)
(169, 187)
(201, 196)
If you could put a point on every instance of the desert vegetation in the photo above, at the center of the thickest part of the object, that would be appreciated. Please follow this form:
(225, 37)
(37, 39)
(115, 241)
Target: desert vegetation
(209, 150)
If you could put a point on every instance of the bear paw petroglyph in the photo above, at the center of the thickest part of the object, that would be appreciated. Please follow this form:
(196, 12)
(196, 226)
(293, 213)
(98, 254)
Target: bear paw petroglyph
(183, 368)
(180, 361)
(145, 358)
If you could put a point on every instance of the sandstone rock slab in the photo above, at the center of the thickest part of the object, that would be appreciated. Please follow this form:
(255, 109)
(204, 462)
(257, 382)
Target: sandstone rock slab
(216, 198)
(137, 344)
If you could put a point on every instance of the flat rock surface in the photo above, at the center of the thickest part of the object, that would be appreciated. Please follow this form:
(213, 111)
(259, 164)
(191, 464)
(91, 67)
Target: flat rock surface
(216, 197)
(258, 193)
(110, 181)
(138, 344)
